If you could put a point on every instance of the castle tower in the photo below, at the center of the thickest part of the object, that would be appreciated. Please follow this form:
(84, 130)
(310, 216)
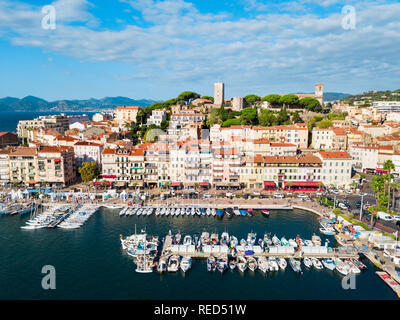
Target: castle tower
(319, 93)
(219, 93)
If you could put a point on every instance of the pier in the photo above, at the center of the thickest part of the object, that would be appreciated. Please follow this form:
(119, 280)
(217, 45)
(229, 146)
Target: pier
(335, 253)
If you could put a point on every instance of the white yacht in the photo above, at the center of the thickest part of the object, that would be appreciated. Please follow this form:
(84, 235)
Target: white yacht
(317, 264)
(173, 263)
(186, 263)
(273, 265)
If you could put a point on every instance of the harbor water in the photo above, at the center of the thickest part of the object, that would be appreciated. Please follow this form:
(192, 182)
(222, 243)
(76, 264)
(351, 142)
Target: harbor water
(90, 263)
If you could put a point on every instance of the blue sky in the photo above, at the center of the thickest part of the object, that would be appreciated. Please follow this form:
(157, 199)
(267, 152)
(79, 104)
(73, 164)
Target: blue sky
(157, 48)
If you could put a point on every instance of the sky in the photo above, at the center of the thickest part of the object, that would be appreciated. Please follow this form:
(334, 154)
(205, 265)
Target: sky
(155, 49)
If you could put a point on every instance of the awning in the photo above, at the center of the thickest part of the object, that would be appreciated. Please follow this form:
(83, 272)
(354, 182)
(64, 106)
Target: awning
(303, 183)
(269, 184)
(176, 184)
(381, 171)
(204, 184)
(109, 177)
(31, 182)
(99, 183)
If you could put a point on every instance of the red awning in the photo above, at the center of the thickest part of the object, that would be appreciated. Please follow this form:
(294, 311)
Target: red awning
(381, 171)
(57, 160)
(303, 183)
(99, 183)
(109, 177)
(269, 184)
(176, 184)
(204, 184)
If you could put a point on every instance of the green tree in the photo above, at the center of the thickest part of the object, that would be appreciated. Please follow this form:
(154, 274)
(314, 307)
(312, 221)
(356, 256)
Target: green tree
(324, 124)
(389, 166)
(289, 100)
(311, 104)
(283, 117)
(252, 99)
(208, 98)
(249, 116)
(188, 96)
(296, 117)
(88, 171)
(231, 122)
(267, 118)
(273, 99)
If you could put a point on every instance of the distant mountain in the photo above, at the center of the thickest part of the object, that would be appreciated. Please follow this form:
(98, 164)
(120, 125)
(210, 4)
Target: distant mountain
(332, 96)
(31, 103)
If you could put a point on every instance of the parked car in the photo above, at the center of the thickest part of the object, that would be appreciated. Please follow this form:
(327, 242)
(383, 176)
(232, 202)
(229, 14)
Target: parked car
(384, 216)
(302, 196)
(396, 218)
(335, 191)
(349, 191)
(341, 205)
(207, 195)
(279, 195)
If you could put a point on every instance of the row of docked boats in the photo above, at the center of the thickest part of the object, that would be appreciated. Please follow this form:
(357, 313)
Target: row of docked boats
(231, 241)
(188, 211)
(174, 263)
(66, 217)
(20, 209)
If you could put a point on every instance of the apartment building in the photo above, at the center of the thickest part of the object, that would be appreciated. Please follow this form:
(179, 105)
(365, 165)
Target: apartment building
(125, 114)
(88, 152)
(336, 168)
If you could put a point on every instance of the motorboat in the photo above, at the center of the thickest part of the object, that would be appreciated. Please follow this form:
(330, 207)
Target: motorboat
(236, 211)
(162, 265)
(205, 237)
(211, 263)
(243, 212)
(232, 264)
(251, 238)
(317, 264)
(352, 267)
(213, 212)
(222, 265)
(276, 241)
(265, 213)
(273, 265)
(243, 242)
(316, 240)
(328, 264)
(293, 243)
(252, 263)
(224, 238)
(263, 264)
(186, 263)
(307, 262)
(284, 242)
(328, 231)
(250, 212)
(187, 240)
(295, 264)
(281, 263)
(241, 264)
(359, 264)
(233, 241)
(341, 267)
(220, 213)
(267, 240)
(308, 243)
(173, 263)
(214, 238)
(177, 238)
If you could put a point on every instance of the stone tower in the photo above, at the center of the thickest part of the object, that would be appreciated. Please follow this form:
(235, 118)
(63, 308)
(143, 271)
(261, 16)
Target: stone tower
(319, 93)
(219, 93)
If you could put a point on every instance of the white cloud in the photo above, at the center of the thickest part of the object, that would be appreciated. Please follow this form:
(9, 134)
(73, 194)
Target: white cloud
(181, 44)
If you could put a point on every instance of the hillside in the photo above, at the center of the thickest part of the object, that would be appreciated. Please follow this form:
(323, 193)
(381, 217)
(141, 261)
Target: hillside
(34, 104)
(386, 95)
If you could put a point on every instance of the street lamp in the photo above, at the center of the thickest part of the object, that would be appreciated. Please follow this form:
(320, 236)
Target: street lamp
(362, 204)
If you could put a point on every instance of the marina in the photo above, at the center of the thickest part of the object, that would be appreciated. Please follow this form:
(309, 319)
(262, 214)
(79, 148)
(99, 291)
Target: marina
(96, 247)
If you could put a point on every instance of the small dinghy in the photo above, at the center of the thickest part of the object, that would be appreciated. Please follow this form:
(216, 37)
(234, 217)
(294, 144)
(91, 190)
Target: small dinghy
(317, 264)
(307, 262)
(265, 213)
(281, 263)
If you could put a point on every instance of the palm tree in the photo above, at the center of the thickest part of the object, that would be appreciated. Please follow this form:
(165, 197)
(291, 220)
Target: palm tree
(289, 184)
(395, 187)
(388, 165)
(320, 185)
(372, 210)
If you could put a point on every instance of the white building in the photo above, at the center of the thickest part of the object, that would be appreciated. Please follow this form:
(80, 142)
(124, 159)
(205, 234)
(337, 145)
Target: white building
(88, 152)
(157, 116)
(386, 106)
(336, 168)
(364, 156)
(237, 103)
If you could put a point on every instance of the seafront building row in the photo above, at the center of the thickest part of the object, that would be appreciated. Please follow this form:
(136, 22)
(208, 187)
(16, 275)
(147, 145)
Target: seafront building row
(50, 149)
